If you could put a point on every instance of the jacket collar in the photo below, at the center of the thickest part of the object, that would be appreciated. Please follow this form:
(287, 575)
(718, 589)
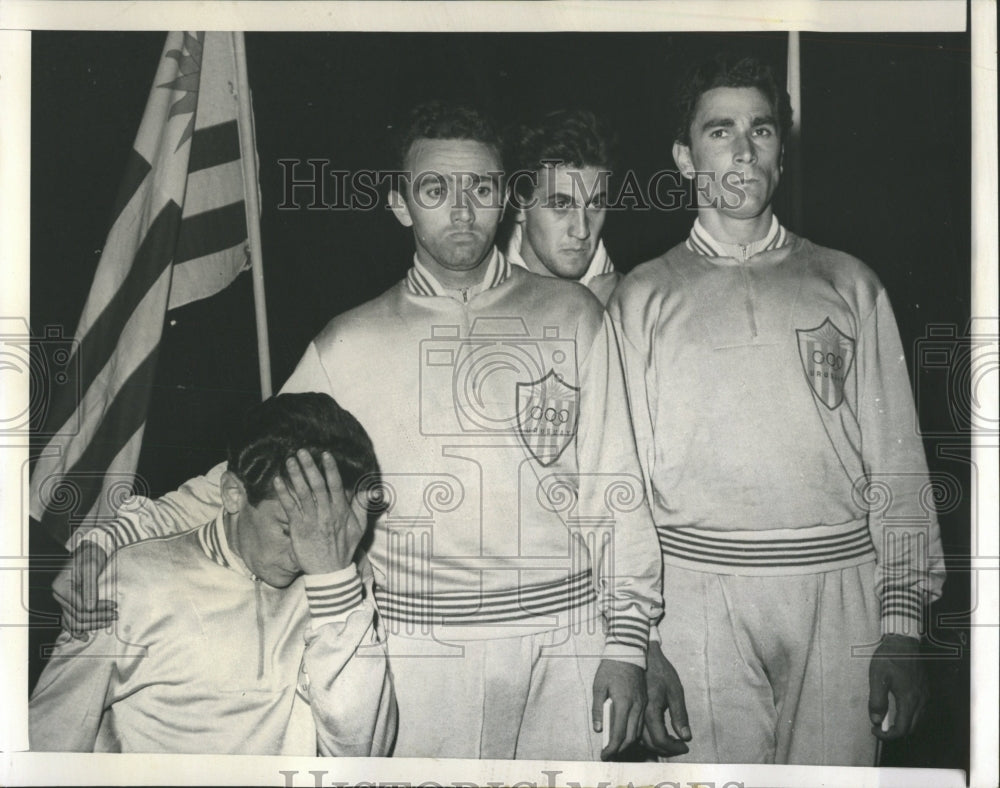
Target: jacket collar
(213, 542)
(600, 263)
(421, 282)
(700, 242)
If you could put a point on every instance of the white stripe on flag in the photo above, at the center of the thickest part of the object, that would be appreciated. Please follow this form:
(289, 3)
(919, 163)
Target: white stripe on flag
(215, 186)
(217, 100)
(208, 275)
(138, 340)
(119, 474)
(124, 238)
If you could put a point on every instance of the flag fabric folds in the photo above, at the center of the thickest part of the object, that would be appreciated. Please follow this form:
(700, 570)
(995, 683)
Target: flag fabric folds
(179, 234)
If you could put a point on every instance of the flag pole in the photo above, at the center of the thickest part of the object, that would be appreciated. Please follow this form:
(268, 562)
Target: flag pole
(248, 155)
(794, 149)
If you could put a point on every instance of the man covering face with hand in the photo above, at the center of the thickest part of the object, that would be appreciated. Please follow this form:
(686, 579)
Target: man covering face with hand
(250, 634)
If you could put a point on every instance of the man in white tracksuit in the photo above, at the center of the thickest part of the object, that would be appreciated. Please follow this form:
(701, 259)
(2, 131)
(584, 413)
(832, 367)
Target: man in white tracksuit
(560, 165)
(515, 562)
(775, 426)
(251, 634)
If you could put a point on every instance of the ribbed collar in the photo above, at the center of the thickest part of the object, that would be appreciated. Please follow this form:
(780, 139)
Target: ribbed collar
(213, 542)
(600, 263)
(700, 242)
(421, 282)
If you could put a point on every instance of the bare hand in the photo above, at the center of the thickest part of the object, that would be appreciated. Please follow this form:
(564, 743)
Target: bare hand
(896, 667)
(625, 684)
(325, 527)
(76, 590)
(664, 690)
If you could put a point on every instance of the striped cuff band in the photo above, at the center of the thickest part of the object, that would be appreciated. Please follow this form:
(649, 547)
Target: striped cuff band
(478, 607)
(902, 612)
(333, 595)
(627, 629)
(105, 536)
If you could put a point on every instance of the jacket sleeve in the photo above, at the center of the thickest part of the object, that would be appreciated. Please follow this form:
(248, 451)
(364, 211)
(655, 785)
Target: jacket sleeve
(896, 490)
(65, 710)
(345, 676)
(197, 500)
(80, 681)
(613, 513)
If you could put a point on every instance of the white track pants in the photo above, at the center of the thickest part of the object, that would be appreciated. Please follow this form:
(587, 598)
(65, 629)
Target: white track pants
(767, 665)
(525, 697)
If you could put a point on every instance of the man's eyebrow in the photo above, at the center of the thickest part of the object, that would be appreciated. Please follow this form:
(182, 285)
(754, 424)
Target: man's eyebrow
(477, 178)
(714, 123)
(598, 194)
(557, 193)
(430, 178)
(764, 120)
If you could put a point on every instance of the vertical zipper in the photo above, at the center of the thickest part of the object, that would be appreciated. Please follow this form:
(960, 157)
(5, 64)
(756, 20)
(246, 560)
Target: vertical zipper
(748, 294)
(260, 630)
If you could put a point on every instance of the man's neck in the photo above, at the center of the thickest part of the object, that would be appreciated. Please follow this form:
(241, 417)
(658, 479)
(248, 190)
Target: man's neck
(452, 279)
(229, 524)
(729, 230)
(535, 265)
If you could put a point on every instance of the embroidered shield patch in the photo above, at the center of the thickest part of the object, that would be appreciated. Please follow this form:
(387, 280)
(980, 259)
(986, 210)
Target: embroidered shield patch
(547, 415)
(826, 353)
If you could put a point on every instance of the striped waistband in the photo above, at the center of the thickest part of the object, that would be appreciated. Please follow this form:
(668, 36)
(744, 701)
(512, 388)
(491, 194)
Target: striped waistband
(476, 607)
(785, 551)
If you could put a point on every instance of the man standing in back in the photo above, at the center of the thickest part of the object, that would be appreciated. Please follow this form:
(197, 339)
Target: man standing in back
(560, 165)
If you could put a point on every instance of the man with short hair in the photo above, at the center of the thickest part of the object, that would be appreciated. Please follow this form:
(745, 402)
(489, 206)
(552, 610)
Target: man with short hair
(560, 164)
(774, 418)
(250, 634)
(515, 561)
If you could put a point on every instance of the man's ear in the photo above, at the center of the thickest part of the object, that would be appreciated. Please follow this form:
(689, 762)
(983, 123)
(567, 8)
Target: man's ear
(234, 494)
(682, 156)
(399, 208)
(516, 209)
(508, 203)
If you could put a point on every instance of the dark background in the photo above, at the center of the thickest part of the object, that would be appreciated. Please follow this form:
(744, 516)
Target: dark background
(885, 175)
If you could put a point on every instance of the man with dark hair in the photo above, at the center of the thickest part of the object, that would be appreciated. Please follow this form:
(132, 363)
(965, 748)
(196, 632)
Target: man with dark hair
(560, 164)
(774, 418)
(515, 561)
(726, 71)
(250, 634)
(442, 120)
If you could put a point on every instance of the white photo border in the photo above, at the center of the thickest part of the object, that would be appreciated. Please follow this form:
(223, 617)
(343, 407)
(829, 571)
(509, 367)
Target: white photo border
(17, 17)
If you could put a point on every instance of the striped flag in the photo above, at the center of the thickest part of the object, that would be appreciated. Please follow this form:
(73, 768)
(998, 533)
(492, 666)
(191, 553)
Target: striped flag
(179, 235)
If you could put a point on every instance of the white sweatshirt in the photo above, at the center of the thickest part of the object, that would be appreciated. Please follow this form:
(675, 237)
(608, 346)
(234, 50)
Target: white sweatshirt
(774, 417)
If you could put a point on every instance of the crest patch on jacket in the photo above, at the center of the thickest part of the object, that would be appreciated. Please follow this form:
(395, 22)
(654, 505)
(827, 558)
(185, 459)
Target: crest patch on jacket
(826, 353)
